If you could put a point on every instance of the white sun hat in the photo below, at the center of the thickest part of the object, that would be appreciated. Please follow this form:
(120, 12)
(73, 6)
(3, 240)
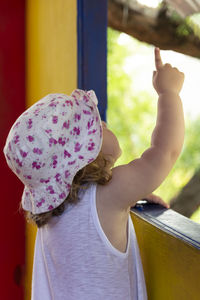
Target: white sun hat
(49, 143)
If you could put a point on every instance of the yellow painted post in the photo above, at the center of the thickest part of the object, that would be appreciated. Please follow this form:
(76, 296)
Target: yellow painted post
(51, 67)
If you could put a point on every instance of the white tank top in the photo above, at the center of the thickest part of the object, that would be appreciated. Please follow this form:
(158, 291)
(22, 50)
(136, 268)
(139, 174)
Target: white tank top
(74, 260)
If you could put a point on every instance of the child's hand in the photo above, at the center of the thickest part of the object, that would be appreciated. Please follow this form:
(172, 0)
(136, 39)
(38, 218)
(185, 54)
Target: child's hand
(166, 78)
(152, 198)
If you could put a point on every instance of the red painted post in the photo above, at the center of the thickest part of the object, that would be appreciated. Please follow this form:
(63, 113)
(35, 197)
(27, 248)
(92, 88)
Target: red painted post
(12, 104)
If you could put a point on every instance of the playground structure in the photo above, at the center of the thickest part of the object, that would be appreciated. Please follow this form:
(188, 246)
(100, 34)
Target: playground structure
(57, 46)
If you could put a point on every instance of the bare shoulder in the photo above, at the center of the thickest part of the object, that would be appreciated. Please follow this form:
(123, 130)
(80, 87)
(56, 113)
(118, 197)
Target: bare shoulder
(112, 197)
(134, 181)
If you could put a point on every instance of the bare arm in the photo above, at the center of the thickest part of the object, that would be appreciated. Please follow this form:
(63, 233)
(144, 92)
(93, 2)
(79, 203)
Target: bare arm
(169, 130)
(142, 176)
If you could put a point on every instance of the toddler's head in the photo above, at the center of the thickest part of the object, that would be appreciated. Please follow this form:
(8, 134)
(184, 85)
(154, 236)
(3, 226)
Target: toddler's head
(49, 143)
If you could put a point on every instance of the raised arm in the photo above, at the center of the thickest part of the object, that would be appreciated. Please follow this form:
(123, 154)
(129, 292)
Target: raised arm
(142, 176)
(168, 134)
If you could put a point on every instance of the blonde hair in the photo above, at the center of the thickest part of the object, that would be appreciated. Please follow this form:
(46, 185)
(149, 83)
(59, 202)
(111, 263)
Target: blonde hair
(99, 171)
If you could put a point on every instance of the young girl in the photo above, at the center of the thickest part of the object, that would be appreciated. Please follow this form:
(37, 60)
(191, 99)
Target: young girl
(86, 246)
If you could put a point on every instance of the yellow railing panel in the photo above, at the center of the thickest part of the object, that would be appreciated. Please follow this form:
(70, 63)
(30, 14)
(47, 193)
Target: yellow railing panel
(171, 266)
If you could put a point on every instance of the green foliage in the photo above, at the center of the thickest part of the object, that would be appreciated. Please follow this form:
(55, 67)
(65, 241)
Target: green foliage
(175, 17)
(132, 118)
(190, 157)
(186, 26)
(126, 112)
(183, 30)
(194, 22)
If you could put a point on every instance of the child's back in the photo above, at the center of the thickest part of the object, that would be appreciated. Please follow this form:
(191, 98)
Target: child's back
(75, 259)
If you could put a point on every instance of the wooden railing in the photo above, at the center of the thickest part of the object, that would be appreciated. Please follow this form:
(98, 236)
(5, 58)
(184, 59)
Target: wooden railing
(170, 250)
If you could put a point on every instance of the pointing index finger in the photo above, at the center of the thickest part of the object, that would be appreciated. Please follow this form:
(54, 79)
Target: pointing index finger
(158, 60)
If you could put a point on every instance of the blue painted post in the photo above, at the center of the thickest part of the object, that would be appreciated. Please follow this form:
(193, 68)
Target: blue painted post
(92, 49)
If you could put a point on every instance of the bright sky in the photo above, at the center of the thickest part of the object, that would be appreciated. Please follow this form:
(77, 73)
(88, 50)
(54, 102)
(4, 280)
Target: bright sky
(142, 65)
(151, 3)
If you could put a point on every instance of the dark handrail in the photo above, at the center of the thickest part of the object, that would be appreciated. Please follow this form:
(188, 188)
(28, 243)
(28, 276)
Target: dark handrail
(169, 221)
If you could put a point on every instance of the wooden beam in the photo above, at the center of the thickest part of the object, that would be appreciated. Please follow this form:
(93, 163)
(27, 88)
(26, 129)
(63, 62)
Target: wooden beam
(154, 27)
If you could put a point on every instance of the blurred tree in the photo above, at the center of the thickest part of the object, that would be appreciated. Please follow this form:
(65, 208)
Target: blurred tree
(187, 199)
(126, 111)
(132, 117)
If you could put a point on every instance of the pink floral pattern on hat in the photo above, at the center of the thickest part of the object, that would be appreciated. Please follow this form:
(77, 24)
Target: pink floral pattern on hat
(49, 143)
